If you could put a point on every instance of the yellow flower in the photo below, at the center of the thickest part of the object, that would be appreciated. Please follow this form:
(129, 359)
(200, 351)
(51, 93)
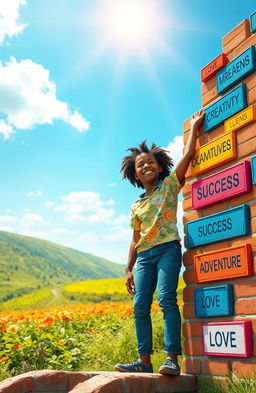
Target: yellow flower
(12, 329)
(62, 342)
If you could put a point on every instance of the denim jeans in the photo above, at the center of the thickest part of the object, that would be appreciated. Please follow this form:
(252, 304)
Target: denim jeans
(158, 266)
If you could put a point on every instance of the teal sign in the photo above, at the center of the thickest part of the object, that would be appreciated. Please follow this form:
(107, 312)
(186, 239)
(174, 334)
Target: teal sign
(238, 69)
(253, 163)
(219, 226)
(214, 301)
(253, 22)
(225, 107)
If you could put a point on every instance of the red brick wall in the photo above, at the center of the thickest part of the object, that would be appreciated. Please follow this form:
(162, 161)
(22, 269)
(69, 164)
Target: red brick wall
(233, 44)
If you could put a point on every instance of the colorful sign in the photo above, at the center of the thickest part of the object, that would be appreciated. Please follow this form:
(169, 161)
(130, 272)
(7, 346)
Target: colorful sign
(228, 338)
(226, 184)
(236, 70)
(254, 170)
(213, 154)
(225, 107)
(214, 301)
(241, 119)
(253, 22)
(213, 67)
(219, 226)
(224, 264)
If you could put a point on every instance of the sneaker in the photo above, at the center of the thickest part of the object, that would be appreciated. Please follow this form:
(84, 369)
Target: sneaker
(170, 367)
(135, 367)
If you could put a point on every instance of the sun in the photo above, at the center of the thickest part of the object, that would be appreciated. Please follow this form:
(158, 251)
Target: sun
(131, 24)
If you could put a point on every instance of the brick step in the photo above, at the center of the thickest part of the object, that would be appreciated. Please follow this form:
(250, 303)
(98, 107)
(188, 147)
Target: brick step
(51, 381)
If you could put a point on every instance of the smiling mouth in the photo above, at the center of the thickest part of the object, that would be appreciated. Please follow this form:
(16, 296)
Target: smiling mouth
(147, 172)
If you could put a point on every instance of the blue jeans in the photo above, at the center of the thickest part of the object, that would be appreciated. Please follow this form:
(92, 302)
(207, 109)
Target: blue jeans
(159, 266)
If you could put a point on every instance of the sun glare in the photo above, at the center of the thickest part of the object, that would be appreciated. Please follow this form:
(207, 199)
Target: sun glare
(131, 24)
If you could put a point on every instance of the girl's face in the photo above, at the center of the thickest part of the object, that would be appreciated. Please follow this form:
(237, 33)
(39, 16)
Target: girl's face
(147, 168)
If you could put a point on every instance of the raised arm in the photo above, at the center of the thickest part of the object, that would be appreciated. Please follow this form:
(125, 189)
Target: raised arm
(189, 149)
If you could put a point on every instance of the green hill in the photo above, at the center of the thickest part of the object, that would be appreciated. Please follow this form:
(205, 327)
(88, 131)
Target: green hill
(28, 264)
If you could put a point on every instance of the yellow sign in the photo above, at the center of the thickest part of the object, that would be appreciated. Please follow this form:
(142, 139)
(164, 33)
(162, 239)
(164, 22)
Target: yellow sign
(213, 154)
(241, 119)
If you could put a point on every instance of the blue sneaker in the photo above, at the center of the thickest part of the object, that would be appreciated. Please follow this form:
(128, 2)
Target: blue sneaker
(170, 367)
(135, 367)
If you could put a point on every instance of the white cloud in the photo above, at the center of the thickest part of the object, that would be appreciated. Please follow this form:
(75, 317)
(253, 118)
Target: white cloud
(122, 234)
(8, 219)
(113, 184)
(30, 219)
(176, 149)
(28, 97)
(5, 129)
(34, 193)
(121, 220)
(85, 206)
(9, 19)
(49, 204)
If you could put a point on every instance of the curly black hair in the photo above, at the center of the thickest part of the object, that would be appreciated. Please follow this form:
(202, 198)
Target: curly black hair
(161, 156)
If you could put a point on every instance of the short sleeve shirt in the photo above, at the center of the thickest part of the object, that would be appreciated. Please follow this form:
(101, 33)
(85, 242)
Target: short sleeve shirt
(155, 216)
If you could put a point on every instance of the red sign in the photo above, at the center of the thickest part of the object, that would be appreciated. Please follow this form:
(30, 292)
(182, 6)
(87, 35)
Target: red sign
(213, 67)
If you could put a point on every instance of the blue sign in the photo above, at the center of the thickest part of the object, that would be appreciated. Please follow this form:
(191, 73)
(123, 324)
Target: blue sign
(253, 22)
(253, 163)
(236, 70)
(225, 107)
(219, 226)
(214, 301)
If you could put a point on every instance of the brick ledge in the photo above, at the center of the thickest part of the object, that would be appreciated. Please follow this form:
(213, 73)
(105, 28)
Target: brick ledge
(52, 381)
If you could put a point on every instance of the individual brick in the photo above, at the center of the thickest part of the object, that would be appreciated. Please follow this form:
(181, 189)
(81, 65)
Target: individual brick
(182, 383)
(253, 209)
(216, 208)
(245, 306)
(253, 225)
(51, 380)
(245, 288)
(236, 36)
(216, 133)
(245, 133)
(208, 85)
(187, 204)
(20, 384)
(244, 369)
(191, 366)
(244, 45)
(186, 189)
(194, 215)
(216, 367)
(188, 311)
(188, 294)
(251, 96)
(210, 96)
(193, 347)
(247, 148)
(189, 276)
(192, 329)
(216, 246)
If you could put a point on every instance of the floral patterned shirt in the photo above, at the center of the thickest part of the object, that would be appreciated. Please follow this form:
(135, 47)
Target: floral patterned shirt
(155, 216)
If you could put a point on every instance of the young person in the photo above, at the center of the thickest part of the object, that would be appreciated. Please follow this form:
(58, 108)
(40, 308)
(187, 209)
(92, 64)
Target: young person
(156, 246)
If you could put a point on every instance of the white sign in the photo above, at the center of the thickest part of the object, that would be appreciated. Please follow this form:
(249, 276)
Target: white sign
(228, 338)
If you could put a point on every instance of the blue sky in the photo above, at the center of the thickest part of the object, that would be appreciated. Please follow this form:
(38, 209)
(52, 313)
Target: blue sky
(80, 82)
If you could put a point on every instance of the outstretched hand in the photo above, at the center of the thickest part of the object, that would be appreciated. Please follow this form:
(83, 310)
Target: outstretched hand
(197, 118)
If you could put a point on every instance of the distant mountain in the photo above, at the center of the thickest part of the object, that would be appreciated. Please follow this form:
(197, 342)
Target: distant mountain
(28, 264)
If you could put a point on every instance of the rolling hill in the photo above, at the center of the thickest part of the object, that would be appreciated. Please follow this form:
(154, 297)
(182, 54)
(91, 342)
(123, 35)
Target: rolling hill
(28, 264)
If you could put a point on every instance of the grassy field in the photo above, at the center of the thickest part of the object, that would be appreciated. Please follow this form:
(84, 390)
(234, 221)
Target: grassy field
(90, 291)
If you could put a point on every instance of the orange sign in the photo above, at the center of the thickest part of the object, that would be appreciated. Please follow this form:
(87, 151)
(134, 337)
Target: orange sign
(223, 264)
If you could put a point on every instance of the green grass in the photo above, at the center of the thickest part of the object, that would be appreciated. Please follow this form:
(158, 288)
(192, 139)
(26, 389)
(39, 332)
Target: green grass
(230, 384)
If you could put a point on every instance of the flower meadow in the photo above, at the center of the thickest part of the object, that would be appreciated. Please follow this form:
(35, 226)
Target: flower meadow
(80, 337)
